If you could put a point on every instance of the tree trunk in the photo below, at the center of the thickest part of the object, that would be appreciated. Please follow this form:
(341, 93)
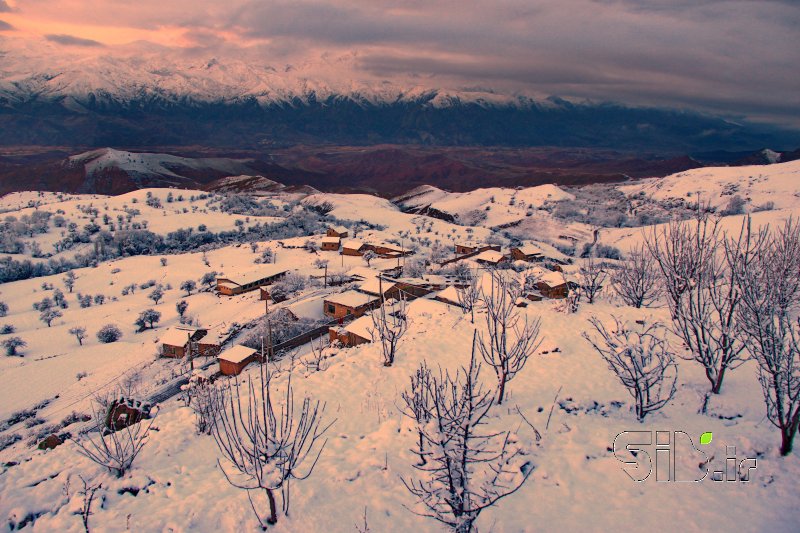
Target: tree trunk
(501, 391)
(787, 436)
(717, 385)
(273, 513)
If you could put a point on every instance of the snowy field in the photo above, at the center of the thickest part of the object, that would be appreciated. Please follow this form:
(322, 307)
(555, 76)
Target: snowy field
(565, 391)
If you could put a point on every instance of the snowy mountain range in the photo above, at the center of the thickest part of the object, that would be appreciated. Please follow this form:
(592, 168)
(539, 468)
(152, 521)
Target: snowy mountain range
(152, 98)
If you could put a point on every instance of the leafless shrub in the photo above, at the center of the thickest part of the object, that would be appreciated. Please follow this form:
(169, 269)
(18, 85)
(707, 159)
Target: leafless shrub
(468, 467)
(770, 287)
(641, 360)
(510, 339)
(314, 362)
(114, 450)
(636, 281)
(87, 494)
(267, 449)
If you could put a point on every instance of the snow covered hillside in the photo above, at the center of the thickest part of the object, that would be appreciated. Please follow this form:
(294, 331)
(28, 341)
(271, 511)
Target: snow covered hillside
(560, 414)
(776, 185)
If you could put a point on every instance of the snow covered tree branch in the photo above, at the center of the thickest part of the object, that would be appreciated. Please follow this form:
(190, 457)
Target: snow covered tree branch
(468, 468)
(641, 360)
(266, 446)
(511, 338)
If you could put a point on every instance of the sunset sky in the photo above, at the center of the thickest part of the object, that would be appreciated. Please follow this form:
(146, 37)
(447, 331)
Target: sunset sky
(738, 58)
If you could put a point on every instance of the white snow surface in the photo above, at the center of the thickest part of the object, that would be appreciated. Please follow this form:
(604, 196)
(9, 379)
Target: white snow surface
(577, 484)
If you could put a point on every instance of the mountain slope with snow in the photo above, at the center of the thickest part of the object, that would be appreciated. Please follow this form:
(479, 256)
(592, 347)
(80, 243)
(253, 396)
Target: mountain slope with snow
(778, 184)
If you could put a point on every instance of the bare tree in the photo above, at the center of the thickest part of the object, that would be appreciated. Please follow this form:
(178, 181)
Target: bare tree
(368, 256)
(418, 401)
(469, 468)
(591, 276)
(469, 296)
(48, 315)
(388, 327)
(202, 397)
(682, 251)
(268, 449)
(69, 280)
(770, 287)
(641, 360)
(114, 450)
(319, 352)
(510, 339)
(637, 279)
(700, 280)
(79, 332)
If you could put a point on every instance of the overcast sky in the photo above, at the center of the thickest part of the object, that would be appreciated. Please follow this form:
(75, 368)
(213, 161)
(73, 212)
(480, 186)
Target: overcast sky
(738, 58)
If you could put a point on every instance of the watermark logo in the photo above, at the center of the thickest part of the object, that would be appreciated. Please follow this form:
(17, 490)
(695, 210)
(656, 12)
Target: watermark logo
(647, 452)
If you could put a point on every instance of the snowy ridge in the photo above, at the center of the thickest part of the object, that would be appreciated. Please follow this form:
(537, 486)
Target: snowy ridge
(499, 205)
(36, 72)
(757, 185)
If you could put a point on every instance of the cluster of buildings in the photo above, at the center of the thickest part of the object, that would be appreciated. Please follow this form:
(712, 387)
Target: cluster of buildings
(337, 239)
(347, 313)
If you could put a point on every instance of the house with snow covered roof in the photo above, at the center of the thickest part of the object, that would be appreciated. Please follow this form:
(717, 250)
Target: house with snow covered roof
(526, 252)
(239, 283)
(490, 258)
(338, 231)
(233, 360)
(469, 247)
(353, 247)
(330, 244)
(348, 303)
(175, 341)
(357, 332)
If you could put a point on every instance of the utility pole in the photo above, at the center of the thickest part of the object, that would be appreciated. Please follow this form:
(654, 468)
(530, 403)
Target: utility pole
(190, 354)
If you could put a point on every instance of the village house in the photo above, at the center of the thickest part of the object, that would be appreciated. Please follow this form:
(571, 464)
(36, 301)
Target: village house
(208, 345)
(175, 342)
(553, 285)
(308, 309)
(348, 303)
(353, 247)
(490, 258)
(465, 248)
(526, 252)
(450, 296)
(233, 360)
(388, 250)
(357, 332)
(250, 281)
(338, 231)
(375, 284)
(330, 244)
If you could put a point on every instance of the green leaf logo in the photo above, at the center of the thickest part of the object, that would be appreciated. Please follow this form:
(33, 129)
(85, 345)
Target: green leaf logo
(706, 437)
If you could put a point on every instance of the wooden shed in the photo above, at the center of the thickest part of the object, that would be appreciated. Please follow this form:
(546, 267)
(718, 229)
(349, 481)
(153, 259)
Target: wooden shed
(348, 303)
(250, 281)
(233, 360)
